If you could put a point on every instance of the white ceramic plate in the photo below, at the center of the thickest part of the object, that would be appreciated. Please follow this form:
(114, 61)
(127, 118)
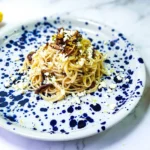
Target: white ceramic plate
(30, 116)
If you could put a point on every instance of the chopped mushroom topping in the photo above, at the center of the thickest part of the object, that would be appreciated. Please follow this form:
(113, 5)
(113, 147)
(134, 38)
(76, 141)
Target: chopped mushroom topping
(29, 56)
(53, 45)
(92, 85)
(66, 41)
(42, 88)
(43, 77)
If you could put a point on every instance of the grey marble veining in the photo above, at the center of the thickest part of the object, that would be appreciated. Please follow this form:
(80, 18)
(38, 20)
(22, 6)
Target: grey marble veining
(132, 17)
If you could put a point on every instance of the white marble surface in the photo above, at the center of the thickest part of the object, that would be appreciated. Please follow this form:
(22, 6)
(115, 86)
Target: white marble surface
(132, 17)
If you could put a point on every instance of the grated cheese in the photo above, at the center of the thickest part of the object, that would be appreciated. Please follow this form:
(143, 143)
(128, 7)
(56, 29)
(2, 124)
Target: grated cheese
(7, 84)
(81, 62)
(109, 90)
(50, 63)
(17, 59)
(79, 44)
(68, 34)
(44, 68)
(65, 38)
(111, 70)
(81, 93)
(112, 106)
(53, 79)
(13, 78)
(90, 52)
(61, 31)
(112, 86)
(77, 100)
(63, 57)
(22, 85)
(62, 91)
(46, 74)
(102, 84)
(127, 80)
(105, 56)
(121, 69)
(119, 77)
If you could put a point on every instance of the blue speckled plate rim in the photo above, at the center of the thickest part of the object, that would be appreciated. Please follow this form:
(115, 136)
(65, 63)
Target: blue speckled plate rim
(86, 132)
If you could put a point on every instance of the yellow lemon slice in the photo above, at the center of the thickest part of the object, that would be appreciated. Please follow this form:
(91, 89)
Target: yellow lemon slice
(1, 16)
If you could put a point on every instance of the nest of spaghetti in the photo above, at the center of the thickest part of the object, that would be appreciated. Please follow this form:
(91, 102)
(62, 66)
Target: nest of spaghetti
(67, 64)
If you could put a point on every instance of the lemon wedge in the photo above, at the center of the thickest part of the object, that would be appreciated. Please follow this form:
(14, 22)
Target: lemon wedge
(1, 16)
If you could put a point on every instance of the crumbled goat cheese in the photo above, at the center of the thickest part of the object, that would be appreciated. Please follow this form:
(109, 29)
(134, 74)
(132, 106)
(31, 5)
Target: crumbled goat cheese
(66, 37)
(46, 73)
(15, 86)
(90, 52)
(77, 100)
(121, 69)
(105, 42)
(102, 84)
(53, 79)
(111, 70)
(127, 80)
(50, 63)
(47, 81)
(22, 91)
(22, 85)
(81, 93)
(112, 106)
(108, 72)
(62, 91)
(16, 59)
(105, 56)
(68, 34)
(63, 57)
(44, 68)
(109, 90)
(81, 61)
(51, 40)
(119, 77)
(7, 84)
(112, 86)
(43, 54)
(73, 95)
(61, 31)
(31, 72)
(13, 78)
(79, 44)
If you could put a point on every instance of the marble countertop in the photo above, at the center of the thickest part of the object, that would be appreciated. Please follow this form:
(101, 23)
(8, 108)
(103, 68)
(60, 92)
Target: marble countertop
(132, 17)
